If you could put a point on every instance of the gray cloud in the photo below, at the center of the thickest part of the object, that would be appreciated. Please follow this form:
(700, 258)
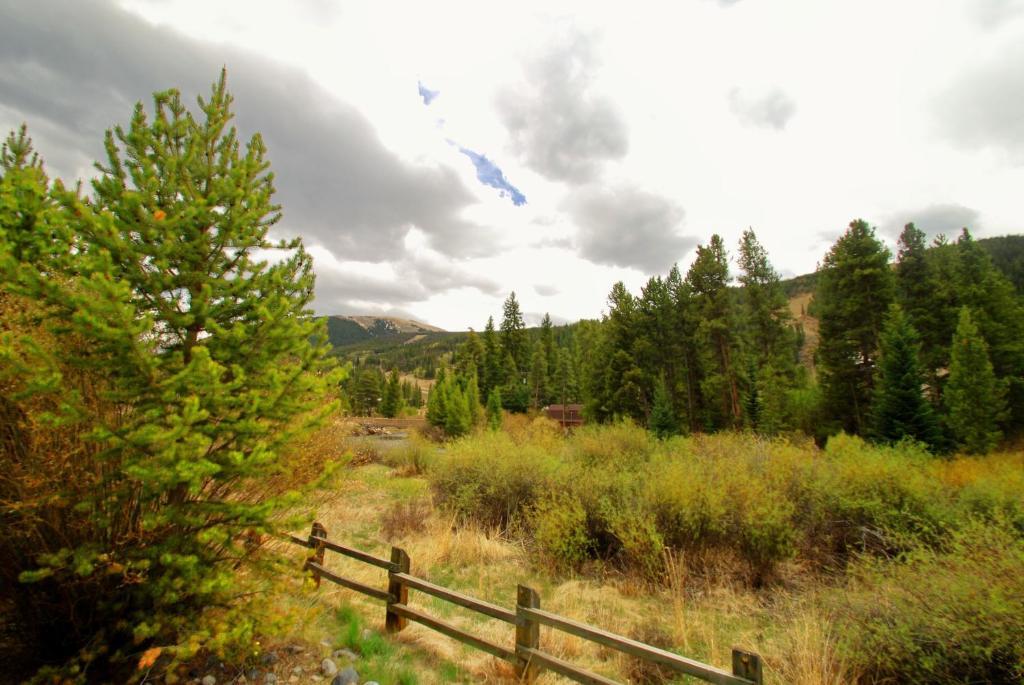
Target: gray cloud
(984, 106)
(628, 227)
(559, 126)
(772, 109)
(73, 69)
(992, 14)
(947, 219)
(546, 290)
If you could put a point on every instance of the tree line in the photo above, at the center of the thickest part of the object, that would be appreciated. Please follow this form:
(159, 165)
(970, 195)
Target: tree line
(927, 347)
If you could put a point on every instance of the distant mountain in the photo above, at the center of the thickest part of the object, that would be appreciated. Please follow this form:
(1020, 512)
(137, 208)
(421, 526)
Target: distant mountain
(349, 330)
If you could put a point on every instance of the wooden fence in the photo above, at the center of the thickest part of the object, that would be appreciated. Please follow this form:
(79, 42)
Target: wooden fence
(527, 656)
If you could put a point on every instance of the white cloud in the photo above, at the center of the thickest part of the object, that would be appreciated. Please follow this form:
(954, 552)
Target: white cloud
(583, 105)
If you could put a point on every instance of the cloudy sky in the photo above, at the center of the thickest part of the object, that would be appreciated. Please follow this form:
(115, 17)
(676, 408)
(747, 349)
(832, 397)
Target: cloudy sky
(435, 156)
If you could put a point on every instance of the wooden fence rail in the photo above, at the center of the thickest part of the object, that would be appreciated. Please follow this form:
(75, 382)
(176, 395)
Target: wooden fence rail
(527, 656)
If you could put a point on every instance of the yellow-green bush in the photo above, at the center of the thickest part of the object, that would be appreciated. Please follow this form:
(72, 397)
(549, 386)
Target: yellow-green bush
(952, 616)
(491, 480)
(876, 498)
(614, 493)
(559, 525)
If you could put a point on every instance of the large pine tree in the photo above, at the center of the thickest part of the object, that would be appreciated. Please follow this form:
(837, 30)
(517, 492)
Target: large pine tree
(767, 321)
(999, 316)
(491, 374)
(718, 347)
(899, 409)
(205, 361)
(919, 294)
(855, 289)
(974, 397)
(513, 333)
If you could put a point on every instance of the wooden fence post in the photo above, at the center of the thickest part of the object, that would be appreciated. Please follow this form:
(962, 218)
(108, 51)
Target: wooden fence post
(398, 591)
(317, 531)
(747, 665)
(527, 632)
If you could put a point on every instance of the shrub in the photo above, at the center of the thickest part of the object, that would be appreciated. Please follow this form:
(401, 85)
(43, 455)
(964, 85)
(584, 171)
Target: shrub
(492, 481)
(730, 495)
(939, 616)
(559, 525)
(874, 498)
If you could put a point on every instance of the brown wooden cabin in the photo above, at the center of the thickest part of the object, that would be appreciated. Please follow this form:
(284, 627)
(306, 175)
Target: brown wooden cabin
(569, 415)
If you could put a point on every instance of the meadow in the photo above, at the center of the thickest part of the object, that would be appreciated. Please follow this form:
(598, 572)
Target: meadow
(852, 563)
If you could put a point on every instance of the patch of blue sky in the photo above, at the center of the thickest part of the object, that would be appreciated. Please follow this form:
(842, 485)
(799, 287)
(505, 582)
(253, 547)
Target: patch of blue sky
(427, 94)
(488, 173)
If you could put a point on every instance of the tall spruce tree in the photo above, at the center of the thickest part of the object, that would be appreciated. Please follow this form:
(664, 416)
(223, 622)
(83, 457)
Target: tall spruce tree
(855, 289)
(547, 342)
(368, 392)
(473, 399)
(513, 333)
(662, 422)
(918, 293)
(768, 323)
(538, 377)
(393, 400)
(469, 356)
(491, 375)
(494, 410)
(998, 314)
(564, 390)
(206, 362)
(683, 347)
(899, 408)
(718, 347)
(458, 418)
(974, 397)
(437, 401)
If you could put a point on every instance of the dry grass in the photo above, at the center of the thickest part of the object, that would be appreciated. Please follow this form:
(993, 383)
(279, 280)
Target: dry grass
(702, 610)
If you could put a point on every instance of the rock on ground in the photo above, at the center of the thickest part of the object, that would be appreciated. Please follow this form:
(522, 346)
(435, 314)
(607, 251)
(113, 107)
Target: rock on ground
(346, 677)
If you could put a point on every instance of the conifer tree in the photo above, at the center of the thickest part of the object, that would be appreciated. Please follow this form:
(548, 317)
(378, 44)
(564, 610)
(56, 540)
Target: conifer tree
(206, 361)
(565, 380)
(469, 357)
(655, 347)
(662, 422)
(973, 397)
(718, 349)
(457, 420)
(683, 323)
(918, 293)
(491, 373)
(513, 333)
(855, 289)
(619, 383)
(437, 408)
(899, 408)
(33, 231)
(752, 403)
(547, 342)
(999, 316)
(473, 399)
(494, 410)
(538, 377)
(767, 318)
(393, 400)
(368, 392)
